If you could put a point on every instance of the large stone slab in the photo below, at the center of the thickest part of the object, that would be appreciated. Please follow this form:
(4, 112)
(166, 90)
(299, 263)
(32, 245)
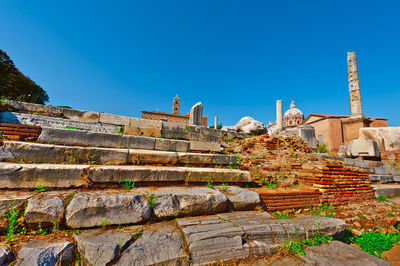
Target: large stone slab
(105, 118)
(80, 115)
(137, 157)
(112, 174)
(324, 225)
(98, 248)
(45, 175)
(159, 245)
(44, 209)
(387, 138)
(172, 145)
(46, 252)
(334, 253)
(205, 146)
(174, 202)
(91, 209)
(84, 138)
(48, 153)
(240, 198)
(144, 127)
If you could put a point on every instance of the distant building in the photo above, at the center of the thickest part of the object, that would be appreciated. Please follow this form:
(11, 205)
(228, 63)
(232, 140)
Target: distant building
(335, 130)
(293, 117)
(173, 117)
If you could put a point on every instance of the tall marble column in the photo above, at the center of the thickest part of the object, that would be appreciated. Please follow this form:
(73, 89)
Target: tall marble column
(279, 121)
(354, 85)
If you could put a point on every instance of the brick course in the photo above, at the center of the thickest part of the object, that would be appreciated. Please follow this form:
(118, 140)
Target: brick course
(19, 132)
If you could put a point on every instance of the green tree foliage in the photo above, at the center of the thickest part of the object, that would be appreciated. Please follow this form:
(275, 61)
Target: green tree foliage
(17, 86)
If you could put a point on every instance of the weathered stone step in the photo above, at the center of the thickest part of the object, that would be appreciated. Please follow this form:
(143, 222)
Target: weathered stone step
(105, 140)
(388, 190)
(31, 176)
(215, 239)
(384, 178)
(16, 151)
(85, 209)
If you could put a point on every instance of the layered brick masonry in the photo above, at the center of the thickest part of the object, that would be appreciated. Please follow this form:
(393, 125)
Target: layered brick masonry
(19, 132)
(276, 200)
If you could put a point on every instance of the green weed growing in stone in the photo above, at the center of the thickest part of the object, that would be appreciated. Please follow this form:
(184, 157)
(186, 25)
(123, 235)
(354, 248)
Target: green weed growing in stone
(40, 187)
(376, 243)
(151, 199)
(104, 222)
(327, 210)
(129, 184)
(280, 215)
(224, 186)
(73, 128)
(322, 148)
(55, 226)
(12, 223)
(297, 247)
(41, 230)
(382, 197)
(68, 200)
(210, 182)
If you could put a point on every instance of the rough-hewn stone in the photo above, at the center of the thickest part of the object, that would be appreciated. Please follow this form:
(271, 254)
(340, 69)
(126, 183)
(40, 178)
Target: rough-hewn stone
(241, 199)
(44, 209)
(196, 114)
(15, 199)
(45, 175)
(250, 126)
(5, 253)
(324, 225)
(137, 157)
(46, 252)
(187, 201)
(159, 245)
(205, 146)
(90, 209)
(172, 145)
(98, 248)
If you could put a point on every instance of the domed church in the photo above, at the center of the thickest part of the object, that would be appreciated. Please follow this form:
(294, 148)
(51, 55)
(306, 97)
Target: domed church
(293, 117)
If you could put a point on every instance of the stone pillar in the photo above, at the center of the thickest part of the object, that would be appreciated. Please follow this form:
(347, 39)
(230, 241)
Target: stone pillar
(216, 122)
(279, 123)
(196, 114)
(354, 85)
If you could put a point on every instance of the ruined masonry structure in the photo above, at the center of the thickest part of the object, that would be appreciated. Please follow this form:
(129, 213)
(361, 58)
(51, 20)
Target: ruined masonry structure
(173, 117)
(354, 85)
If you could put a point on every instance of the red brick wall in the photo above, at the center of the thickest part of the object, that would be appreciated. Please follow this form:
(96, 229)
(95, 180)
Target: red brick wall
(19, 132)
(390, 156)
(279, 199)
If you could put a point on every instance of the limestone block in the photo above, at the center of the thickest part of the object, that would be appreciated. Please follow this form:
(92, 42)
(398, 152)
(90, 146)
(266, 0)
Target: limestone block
(306, 133)
(49, 153)
(33, 175)
(241, 199)
(224, 159)
(5, 254)
(381, 178)
(45, 210)
(105, 118)
(78, 115)
(90, 209)
(159, 245)
(137, 157)
(144, 127)
(387, 138)
(205, 146)
(195, 158)
(249, 125)
(114, 174)
(174, 202)
(15, 199)
(217, 175)
(362, 148)
(46, 252)
(172, 145)
(100, 248)
(324, 225)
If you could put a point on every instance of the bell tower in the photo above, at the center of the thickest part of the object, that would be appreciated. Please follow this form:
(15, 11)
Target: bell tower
(175, 106)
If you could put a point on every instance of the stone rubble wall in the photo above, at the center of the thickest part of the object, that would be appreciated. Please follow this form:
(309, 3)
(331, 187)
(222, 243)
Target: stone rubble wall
(104, 122)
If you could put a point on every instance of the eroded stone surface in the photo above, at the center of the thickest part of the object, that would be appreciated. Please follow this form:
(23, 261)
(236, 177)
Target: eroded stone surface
(325, 225)
(46, 252)
(159, 245)
(98, 248)
(187, 201)
(10, 199)
(90, 209)
(46, 175)
(45, 210)
(241, 199)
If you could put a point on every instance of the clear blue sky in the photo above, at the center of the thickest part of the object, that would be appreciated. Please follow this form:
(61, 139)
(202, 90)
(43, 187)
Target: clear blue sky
(237, 57)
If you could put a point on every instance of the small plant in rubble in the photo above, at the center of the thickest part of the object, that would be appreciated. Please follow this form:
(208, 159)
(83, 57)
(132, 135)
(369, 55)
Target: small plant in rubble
(210, 182)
